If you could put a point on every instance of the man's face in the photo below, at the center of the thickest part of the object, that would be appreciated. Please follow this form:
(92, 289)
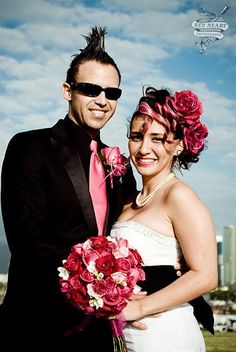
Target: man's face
(92, 112)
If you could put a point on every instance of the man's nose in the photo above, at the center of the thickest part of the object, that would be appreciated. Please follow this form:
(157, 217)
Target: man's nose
(101, 99)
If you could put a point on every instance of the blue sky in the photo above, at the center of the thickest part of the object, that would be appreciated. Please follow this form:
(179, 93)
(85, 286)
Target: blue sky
(153, 43)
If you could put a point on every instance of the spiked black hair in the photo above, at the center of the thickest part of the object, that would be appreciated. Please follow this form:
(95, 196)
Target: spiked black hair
(95, 40)
(94, 51)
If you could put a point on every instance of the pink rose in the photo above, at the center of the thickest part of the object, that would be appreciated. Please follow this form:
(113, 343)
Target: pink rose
(194, 137)
(135, 257)
(101, 287)
(126, 291)
(86, 276)
(115, 160)
(75, 282)
(134, 276)
(115, 163)
(65, 286)
(141, 274)
(122, 242)
(89, 255)
(119, 277)
(187, 106)
(77, 248)
(123, 264)
(113, 297)
(111, 154)
(110, 283)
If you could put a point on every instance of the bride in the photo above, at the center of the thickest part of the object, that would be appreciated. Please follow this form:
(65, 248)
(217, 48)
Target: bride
(167, 219)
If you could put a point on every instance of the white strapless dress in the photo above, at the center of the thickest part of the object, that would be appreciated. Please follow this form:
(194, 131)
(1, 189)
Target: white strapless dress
(175, 330)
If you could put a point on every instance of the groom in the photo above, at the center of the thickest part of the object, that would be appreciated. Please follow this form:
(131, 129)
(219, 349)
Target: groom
(47, 208)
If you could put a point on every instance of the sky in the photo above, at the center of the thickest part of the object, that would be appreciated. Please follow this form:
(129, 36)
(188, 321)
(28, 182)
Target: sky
(153, 43)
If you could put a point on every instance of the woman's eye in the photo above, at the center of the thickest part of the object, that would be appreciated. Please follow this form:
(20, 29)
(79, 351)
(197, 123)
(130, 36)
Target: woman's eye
(158, 139)
(135, 137)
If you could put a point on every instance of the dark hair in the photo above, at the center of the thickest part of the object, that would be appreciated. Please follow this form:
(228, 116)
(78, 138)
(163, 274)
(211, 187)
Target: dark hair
(179, 114)
(94, 51)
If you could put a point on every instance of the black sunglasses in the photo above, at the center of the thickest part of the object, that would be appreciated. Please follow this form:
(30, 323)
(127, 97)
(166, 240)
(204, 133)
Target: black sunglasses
(93, 90)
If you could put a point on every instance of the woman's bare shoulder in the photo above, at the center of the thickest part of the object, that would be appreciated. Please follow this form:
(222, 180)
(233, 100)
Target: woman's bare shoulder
(182, 193)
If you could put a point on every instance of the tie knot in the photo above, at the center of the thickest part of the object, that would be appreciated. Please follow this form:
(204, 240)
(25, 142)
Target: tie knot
(94, 146)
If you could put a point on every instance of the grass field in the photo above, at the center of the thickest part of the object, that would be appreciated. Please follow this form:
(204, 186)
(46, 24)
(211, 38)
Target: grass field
(220, 342)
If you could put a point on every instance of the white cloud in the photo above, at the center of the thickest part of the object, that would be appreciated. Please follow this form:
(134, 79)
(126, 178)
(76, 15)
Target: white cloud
(14, 41)
(140, 6)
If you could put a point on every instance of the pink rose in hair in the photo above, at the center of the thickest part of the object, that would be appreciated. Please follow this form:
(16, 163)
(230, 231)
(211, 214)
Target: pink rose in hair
(194, 137)
(187, 105)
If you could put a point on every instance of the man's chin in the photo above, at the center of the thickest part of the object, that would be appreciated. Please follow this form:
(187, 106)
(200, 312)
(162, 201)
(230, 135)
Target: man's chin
(98, 124)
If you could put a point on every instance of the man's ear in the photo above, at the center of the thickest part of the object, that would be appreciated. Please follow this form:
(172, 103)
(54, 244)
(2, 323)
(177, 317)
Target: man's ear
(66, 91)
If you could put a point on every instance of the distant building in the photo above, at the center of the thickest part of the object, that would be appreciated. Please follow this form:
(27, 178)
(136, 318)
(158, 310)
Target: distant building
(229, 255)
(220, 262)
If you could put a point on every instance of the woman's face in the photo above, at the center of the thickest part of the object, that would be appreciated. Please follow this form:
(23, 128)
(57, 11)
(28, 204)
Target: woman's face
(150, 150)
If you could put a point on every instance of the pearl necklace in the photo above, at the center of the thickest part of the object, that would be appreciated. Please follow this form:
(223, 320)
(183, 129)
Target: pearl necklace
(151, 195)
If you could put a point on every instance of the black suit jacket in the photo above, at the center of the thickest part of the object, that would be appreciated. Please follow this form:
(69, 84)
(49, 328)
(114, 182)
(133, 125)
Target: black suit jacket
(46, 209)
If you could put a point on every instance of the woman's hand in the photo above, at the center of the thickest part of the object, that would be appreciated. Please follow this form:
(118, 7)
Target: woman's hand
(132, 312)
(129, 310)
(138, 324)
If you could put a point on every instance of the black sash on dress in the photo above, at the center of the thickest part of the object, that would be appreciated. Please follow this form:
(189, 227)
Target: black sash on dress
(159, 276)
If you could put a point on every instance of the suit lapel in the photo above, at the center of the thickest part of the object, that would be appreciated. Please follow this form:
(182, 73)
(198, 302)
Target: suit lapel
(73, 165)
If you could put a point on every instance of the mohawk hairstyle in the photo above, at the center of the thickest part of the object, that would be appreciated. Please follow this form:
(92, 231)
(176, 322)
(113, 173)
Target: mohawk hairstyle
(94, 51)
(96, 39)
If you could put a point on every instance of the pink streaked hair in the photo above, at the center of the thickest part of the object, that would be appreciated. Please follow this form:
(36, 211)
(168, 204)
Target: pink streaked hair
(144, 108)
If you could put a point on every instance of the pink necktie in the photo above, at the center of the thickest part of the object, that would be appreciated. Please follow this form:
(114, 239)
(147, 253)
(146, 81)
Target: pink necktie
(97, 187)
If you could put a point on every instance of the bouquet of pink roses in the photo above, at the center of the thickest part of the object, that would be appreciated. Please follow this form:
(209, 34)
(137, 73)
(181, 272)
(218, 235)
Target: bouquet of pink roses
(100, 275)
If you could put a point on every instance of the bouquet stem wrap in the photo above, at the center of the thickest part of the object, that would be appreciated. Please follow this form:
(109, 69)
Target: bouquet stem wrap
(118, 336)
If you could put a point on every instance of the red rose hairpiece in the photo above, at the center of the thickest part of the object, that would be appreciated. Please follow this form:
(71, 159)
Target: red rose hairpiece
(183, 109)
